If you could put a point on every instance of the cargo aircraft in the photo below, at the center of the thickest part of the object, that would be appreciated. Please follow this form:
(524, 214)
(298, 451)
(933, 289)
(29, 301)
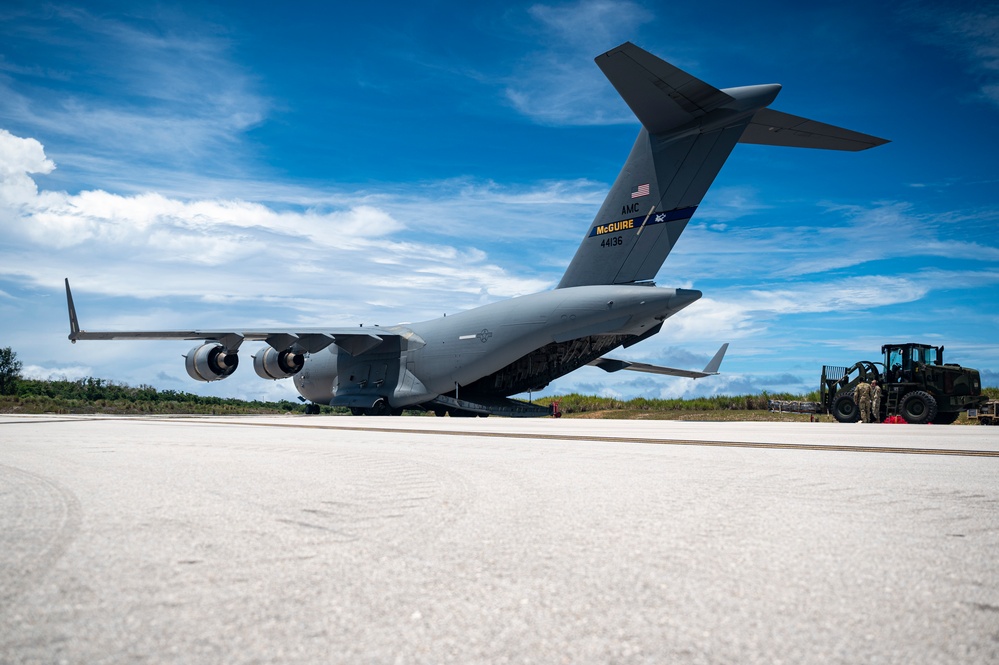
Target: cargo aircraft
(470, 363)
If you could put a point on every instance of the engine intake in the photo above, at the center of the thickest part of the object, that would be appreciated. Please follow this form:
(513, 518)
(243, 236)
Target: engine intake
(210, 362)
(272, 364)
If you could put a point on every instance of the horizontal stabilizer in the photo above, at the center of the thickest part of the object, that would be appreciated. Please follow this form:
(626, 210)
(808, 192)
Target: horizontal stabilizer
(769, 127)
(711, 369)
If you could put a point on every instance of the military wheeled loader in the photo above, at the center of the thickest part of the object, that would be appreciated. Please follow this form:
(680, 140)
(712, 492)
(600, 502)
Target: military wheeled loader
(915, 384)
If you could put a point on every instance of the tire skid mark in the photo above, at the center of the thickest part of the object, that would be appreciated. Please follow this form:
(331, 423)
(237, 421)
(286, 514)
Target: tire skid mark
(38, 520)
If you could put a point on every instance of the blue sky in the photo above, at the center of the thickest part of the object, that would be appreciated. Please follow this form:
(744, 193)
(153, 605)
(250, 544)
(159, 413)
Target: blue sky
(253, 165)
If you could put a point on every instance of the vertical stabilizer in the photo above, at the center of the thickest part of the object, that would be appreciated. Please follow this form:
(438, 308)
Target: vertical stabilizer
(676, 157)
(647, 209)
(688, 131)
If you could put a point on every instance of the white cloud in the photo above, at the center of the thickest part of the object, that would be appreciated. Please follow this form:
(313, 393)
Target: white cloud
(727, 204)
(847, 238)
(67, 373)
(559, 84)
(161, 91)
(149, 244)
(972, 33)
(19, 158)
(581, 25)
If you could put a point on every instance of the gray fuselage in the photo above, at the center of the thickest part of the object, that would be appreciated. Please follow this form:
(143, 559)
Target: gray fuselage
(423, 360)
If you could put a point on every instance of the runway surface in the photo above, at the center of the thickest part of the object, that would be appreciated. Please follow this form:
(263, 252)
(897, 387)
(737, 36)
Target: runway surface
(427, 540)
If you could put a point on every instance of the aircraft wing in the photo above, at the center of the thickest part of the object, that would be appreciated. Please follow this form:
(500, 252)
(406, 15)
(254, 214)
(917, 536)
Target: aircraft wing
(769, 127)
(354, 341)
(614, 365)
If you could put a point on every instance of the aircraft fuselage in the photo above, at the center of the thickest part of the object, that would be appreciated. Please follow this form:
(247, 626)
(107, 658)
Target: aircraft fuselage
(422, 360)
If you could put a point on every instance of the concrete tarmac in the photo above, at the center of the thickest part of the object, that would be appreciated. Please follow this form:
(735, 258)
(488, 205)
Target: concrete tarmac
(429, 540)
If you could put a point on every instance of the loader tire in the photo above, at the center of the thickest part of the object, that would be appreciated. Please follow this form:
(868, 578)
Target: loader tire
(918, 407)
(844, 409)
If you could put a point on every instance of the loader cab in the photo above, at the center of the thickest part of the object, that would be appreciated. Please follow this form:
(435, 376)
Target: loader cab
(902, 359)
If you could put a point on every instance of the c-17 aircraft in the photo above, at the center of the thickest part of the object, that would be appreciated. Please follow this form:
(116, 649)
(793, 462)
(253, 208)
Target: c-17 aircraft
(470, 363)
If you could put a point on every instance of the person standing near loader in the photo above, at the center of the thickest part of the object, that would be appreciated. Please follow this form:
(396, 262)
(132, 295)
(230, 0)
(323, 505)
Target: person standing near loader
(875, 401)
(862, 396)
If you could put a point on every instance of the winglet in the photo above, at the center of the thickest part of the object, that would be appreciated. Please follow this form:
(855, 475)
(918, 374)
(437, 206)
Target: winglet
(716, 361)
(74, 323)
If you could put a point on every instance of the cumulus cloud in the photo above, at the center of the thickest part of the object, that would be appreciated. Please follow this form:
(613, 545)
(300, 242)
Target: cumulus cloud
(19, 158)
(149, 244)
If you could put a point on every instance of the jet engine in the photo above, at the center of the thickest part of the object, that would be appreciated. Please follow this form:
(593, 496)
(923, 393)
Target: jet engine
(272, 364)
(210, 362)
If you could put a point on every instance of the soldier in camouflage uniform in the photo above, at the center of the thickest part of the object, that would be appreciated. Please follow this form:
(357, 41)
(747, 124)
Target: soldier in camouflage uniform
(862, 396)
(875, 401)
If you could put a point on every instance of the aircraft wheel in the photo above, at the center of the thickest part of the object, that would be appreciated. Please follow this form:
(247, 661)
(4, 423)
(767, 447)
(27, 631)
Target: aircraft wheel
(356, 411)
(381, 408)
(844, 409)
(918, 407)
(440, 412)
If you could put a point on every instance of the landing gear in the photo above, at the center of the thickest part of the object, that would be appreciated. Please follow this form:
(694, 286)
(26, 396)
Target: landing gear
(380, 408)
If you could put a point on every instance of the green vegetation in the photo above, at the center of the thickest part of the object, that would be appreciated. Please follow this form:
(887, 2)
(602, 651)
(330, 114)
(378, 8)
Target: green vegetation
(725, 407)
(589, 403)
(10, 371)
(92, 395)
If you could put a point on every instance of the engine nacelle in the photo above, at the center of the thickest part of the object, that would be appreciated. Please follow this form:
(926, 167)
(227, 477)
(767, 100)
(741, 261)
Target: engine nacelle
(210, 362)
(272, 364)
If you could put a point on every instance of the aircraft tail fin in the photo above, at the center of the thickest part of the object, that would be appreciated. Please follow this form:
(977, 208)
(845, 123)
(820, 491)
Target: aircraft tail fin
(689, 128)
(673, 162)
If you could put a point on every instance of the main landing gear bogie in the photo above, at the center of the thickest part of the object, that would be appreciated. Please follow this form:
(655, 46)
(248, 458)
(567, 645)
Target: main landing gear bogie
(380, 408)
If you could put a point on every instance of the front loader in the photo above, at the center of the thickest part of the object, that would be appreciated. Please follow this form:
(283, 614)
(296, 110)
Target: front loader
(915, 382)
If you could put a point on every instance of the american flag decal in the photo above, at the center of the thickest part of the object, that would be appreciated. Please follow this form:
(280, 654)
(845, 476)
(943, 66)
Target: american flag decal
(641, 190)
